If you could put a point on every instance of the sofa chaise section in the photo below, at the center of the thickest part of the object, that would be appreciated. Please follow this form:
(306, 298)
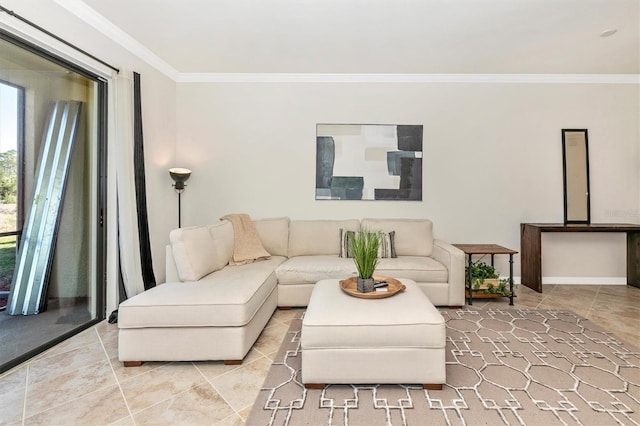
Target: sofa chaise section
(216, 316)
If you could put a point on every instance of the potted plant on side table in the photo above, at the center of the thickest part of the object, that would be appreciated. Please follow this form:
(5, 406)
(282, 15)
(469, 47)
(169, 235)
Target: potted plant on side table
(485, 279)
(364, 248)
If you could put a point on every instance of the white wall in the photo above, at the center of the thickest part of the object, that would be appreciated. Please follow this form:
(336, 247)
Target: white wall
(492, 151)
(492, 157)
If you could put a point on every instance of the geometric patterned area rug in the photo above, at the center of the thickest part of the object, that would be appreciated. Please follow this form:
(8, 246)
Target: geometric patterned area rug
(503, 366)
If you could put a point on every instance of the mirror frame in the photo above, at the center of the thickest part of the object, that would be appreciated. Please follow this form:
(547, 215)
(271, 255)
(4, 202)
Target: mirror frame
(587, 219)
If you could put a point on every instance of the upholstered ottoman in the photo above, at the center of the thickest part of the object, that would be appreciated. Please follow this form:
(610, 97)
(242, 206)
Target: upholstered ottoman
(345, 339)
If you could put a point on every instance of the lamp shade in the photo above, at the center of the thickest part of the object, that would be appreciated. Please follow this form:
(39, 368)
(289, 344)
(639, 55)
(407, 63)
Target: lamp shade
(180, 176)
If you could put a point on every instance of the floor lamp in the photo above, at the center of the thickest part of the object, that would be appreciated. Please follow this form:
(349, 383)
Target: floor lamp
(180, 176)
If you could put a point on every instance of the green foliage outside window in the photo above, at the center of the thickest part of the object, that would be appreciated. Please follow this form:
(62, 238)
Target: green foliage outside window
(8, 177)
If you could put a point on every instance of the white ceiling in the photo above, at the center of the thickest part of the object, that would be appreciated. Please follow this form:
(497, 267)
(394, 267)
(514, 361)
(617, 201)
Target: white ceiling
(382, 36)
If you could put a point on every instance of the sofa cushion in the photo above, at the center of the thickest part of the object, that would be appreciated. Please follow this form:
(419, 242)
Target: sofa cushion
(314, 237)
(200, 250)
(274, 234)
(417, 268)
(229, 297)
(414, 237)
(223, 238)
(311, 269)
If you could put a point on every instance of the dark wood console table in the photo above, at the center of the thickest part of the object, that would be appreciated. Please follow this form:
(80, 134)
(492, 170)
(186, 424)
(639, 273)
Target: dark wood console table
(531, 248)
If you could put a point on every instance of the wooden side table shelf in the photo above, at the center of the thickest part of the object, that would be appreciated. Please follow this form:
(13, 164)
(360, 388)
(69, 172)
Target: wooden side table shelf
(492, 249)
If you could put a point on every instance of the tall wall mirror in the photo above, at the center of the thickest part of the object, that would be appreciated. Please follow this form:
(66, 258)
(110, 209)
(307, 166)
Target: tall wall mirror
(575, 159)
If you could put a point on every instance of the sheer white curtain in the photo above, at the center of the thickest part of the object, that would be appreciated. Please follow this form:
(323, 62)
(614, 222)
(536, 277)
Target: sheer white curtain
(128, 244)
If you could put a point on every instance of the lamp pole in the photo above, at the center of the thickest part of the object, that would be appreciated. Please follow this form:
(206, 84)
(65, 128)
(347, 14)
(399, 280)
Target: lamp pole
(179, 210)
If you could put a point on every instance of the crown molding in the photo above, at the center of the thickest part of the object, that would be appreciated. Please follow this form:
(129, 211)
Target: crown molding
(408, 78)
(103, 25)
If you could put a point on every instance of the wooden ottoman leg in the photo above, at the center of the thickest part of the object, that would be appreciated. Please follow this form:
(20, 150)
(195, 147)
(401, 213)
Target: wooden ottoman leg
(314, 386)
(132, 363)
(232, 361)
(432, 386)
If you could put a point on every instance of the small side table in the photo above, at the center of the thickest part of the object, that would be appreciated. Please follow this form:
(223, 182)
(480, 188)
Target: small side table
(492, 249)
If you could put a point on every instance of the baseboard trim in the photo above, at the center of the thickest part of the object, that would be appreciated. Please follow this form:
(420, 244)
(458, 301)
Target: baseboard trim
(578, 280)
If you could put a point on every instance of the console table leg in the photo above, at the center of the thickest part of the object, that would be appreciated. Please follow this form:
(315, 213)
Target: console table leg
(633, 259)
(531, 257)
(511, 279)
(469, 266)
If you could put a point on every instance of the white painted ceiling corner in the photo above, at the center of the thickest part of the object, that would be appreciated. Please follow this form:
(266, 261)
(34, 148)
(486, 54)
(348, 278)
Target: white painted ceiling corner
(106, 27)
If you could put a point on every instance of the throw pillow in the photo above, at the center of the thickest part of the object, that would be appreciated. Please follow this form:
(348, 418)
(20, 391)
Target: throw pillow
(194, 252)
(387, 245)
(345, 242)
(386, 248)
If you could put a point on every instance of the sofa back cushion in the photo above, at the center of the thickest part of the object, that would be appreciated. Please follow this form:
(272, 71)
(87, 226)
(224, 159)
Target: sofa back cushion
(223, 239)
(318, 237)
(200, 250)
(413, 237)
(274, 234)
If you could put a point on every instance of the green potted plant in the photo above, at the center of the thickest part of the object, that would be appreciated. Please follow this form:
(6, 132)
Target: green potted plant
(502, 288)
(364, 248)
(485, 279)
(482, 275)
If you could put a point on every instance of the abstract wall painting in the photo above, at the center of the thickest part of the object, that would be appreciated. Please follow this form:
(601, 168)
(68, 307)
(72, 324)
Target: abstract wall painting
(368, 162)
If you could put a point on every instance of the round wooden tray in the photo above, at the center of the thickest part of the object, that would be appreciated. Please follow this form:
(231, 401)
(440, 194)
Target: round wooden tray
(350, 286)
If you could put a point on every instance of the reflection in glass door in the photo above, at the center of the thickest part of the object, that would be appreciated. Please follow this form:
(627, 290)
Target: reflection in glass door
(33, 83)
(11, 125)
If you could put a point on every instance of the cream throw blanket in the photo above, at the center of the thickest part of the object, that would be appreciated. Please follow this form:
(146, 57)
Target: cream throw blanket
(247, 246)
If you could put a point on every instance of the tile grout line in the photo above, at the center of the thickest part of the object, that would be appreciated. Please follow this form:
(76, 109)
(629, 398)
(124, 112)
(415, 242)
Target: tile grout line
(47, 355)
(24, 402)
(186, 390)
(68, 402)
(167, 399)
(216, 389)
(544, 297)
(131, 413)
(593, 301)
(262, 355)
(115, 376)
(234, 415)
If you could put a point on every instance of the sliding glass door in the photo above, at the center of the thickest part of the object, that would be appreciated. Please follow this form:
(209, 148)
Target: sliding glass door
(11, 201)
(52, 139)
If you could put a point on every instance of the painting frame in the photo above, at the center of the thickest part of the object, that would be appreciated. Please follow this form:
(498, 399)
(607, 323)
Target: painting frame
(369, 162)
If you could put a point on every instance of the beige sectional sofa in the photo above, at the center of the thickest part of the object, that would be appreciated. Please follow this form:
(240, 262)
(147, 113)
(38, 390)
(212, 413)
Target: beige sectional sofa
(209, 310)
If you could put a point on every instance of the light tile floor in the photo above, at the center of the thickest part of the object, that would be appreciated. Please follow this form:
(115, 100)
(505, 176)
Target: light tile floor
(81, 381)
